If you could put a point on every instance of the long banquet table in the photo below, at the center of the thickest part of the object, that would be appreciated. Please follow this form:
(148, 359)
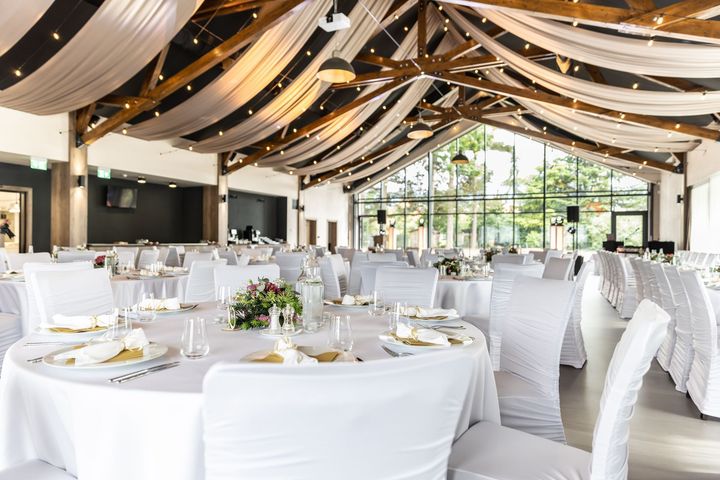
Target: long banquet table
(151, 428)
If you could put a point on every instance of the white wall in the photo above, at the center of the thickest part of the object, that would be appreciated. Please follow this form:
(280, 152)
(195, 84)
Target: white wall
(671, 212)
(324, 204)
(703, 162)
(34, 135)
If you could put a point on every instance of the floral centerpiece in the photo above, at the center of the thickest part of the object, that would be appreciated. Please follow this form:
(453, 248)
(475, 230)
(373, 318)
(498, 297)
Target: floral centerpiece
(99, 261)
(452, 265)
(662, 258)
(250, 307)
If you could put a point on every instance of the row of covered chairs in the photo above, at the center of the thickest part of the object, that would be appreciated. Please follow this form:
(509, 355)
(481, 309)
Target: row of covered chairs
(618, 282)
(698, 259)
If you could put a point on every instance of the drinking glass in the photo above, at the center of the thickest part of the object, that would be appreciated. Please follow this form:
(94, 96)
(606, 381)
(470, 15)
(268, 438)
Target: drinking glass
(377, 305)
(223, 293)
(397, 310)
(194, 341)
(146, 316)
(340, 335)
(122, 325)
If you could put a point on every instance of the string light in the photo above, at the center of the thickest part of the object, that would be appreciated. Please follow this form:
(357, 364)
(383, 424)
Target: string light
(635, 86)
(575, 23)
(157, 114)
(254, 14)
(651, 41)
(308, 53)
(527, 46)
(161, 77)
(124, 131)
(220, 133)
(189, 87)
(372, 50)
(56, 35)
(18, 73)
(190, 148)
(195, 41)
(484, 20)
(250, 112)
(576, 68)
(127, 105)
(677, 125)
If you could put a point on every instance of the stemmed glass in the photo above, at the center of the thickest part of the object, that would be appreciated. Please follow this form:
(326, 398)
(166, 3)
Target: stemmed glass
(340, 336)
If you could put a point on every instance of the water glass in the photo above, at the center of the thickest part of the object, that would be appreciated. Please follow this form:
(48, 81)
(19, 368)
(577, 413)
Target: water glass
(223, 296)
(340, 336)
(194, 341)
(397, 310)
(146, 316)
(377, 305)
(122, 325)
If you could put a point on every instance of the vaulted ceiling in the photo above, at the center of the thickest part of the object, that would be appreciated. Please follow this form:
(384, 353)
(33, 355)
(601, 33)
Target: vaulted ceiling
(631, 83)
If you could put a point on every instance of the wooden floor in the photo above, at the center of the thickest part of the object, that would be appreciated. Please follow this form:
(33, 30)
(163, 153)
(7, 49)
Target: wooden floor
(668, 441)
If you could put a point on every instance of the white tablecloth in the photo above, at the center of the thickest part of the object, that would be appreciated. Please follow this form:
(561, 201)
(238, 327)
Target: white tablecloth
(151, 428)
(126, 292)
(468, 297)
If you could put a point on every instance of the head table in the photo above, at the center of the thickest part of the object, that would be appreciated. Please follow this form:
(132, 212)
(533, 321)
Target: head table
(151, 427)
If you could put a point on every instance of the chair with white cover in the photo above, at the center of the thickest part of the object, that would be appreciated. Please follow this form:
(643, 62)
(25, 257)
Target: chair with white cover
(667, 303)
(238, 277)
(148, 256)
(163, 253)
(74, 292)
(230, 256)
(127, 255)
(368, 273)
(703, 384)
(342, 409)
(243, 260)
(573, 348)
(491, 452)
(3, 260)
(291, 265)
(382, 257)
(173, 257)
(17, 260)
(332, 272)
(638, 271)
(67, 256)
(35, 470)
(557, 268)
(683, 351)
(345, 252)
(33, 318)
(626, 297)
(552, 254)
(398, 252)
(512, 258)
(201, 281)
(413, 258)
(414, 286)
(529, 378)
(191, 257)
(355, 280)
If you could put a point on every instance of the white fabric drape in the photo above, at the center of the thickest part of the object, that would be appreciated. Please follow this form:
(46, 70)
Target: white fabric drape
(17, 19)
(249, 74)
(644, 102)
(304, 90)
(669, 59)
(119, 39)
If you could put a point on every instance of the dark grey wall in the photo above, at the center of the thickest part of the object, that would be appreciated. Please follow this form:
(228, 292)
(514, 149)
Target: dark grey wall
(39, 181)
(163, 214)
(264, 212)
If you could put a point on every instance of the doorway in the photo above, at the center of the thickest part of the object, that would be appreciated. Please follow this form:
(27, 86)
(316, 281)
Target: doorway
(311, 228)
(332, 236)
(12, 210)
(630, 228)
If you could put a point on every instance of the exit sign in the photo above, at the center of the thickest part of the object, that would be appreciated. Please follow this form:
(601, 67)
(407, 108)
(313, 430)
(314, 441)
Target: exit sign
(38, 163)
(104, 173)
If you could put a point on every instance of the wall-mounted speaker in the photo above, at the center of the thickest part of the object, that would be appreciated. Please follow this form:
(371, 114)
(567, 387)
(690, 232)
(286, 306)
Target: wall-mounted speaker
(382, 216)
(573, 214)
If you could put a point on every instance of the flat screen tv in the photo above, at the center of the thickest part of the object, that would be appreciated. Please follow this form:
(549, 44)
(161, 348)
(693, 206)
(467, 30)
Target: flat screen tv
(121, 197)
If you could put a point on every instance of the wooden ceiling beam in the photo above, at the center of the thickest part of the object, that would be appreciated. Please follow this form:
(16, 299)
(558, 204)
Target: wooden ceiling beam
(152, 75)
(83, 118)
(517, 92)
(377, 60)
(274, 144)
(422, 28)
(641, 5)
(194, 70)
(122, 101)
(461, 49)
(671, 14)
(595, 73)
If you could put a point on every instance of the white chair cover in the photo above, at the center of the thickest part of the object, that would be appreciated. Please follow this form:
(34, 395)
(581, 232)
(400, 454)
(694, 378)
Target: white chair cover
(230, 256)
(124, 254)
(490, 452)
(35, 470)
(341, 407)
(529, 380)
(552, 254)
(383, 257)
(173, 257)
(413, 258)
(291, 265)
(238, 277)
(148, 257)
(414, 286)
(10, 332)
(330, 279)
(683, 351)
(573, 348)
(703, 384)
(667, 303)
(557, 268)
(359, 258)
(76, 292)
(338, 263)
(33, 318)
(512, 258)
(17, 260)
(163, 253)
(243, 260)
(368, 273)
(201, 281)
(428, 257)
(191, 257)
(347, 253)
(67, 256)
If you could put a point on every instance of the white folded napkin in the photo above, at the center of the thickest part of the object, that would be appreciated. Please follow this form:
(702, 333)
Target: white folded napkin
(160, 304)
(348, 300)
(99, 352)
(422, 312)
(426, 335)
(80, 322)
(290, 354)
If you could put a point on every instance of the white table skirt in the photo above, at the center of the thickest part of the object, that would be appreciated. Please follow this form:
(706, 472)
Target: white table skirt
(151, 428)
(468, 297)
(126, 292)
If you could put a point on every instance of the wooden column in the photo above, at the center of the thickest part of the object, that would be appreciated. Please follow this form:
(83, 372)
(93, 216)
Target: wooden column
(69, 201)
(222, 210)
(210, 213)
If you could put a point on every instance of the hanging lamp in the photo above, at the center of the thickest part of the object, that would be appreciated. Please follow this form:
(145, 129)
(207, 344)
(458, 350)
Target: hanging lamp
(335, 69)
(420, 130)
(459, 158)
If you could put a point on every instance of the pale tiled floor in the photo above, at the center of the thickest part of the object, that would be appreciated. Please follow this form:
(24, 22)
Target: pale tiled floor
(668, 441)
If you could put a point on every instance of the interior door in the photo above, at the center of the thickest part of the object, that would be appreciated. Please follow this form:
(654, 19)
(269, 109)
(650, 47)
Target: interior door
(332, 236)
(311, 231)
(630, 228)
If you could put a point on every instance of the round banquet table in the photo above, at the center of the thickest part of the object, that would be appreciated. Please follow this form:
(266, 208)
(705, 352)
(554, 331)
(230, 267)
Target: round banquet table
(467, 297)
(151, 427)
(126, 292)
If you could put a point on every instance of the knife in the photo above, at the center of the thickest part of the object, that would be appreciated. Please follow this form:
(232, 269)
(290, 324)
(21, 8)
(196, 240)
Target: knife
(142, 373)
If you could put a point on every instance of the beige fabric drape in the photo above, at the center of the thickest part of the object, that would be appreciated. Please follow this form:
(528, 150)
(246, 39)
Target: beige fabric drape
(117, 42)
(17, 17)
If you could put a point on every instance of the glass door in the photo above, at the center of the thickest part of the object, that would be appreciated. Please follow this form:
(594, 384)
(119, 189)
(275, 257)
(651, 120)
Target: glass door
(630, 228)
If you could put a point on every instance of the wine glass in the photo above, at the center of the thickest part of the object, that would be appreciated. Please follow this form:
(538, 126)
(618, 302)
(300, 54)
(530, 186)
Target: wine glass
(340, 336)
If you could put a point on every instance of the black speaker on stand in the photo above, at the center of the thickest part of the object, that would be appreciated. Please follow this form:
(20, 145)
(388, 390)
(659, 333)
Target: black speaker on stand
(573, 216)
(382, 217)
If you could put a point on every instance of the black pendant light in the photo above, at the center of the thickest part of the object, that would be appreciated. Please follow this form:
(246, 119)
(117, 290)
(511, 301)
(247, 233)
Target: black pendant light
(420, 130)
(459, 158)
(336, 70)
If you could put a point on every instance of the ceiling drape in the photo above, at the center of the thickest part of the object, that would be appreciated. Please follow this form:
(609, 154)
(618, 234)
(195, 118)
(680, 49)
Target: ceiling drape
(17, 18)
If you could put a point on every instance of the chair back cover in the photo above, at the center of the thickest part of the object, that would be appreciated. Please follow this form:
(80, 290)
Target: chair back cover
(180, 249)
(17, 260)
(67, 256)
(148, 257)
(290, 264)
(347, 253)
(415, 286)
(630, 361)
(173, 257)
(201, 281)
(349, 421)
(163, 253)
(558, 268)
(368, 272)
(704, 323)
(338, 263)
(665, 296)
(191, 257)
(73, 292)
(243, 260)
(238, 277)
(413, 258)
(683, 317)
(537, 316)
(382, 257)
(398, 252)
(33, 312)
(330, 278)
(230, 256)
(127, 254)
(512, 258)
(552, 254)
